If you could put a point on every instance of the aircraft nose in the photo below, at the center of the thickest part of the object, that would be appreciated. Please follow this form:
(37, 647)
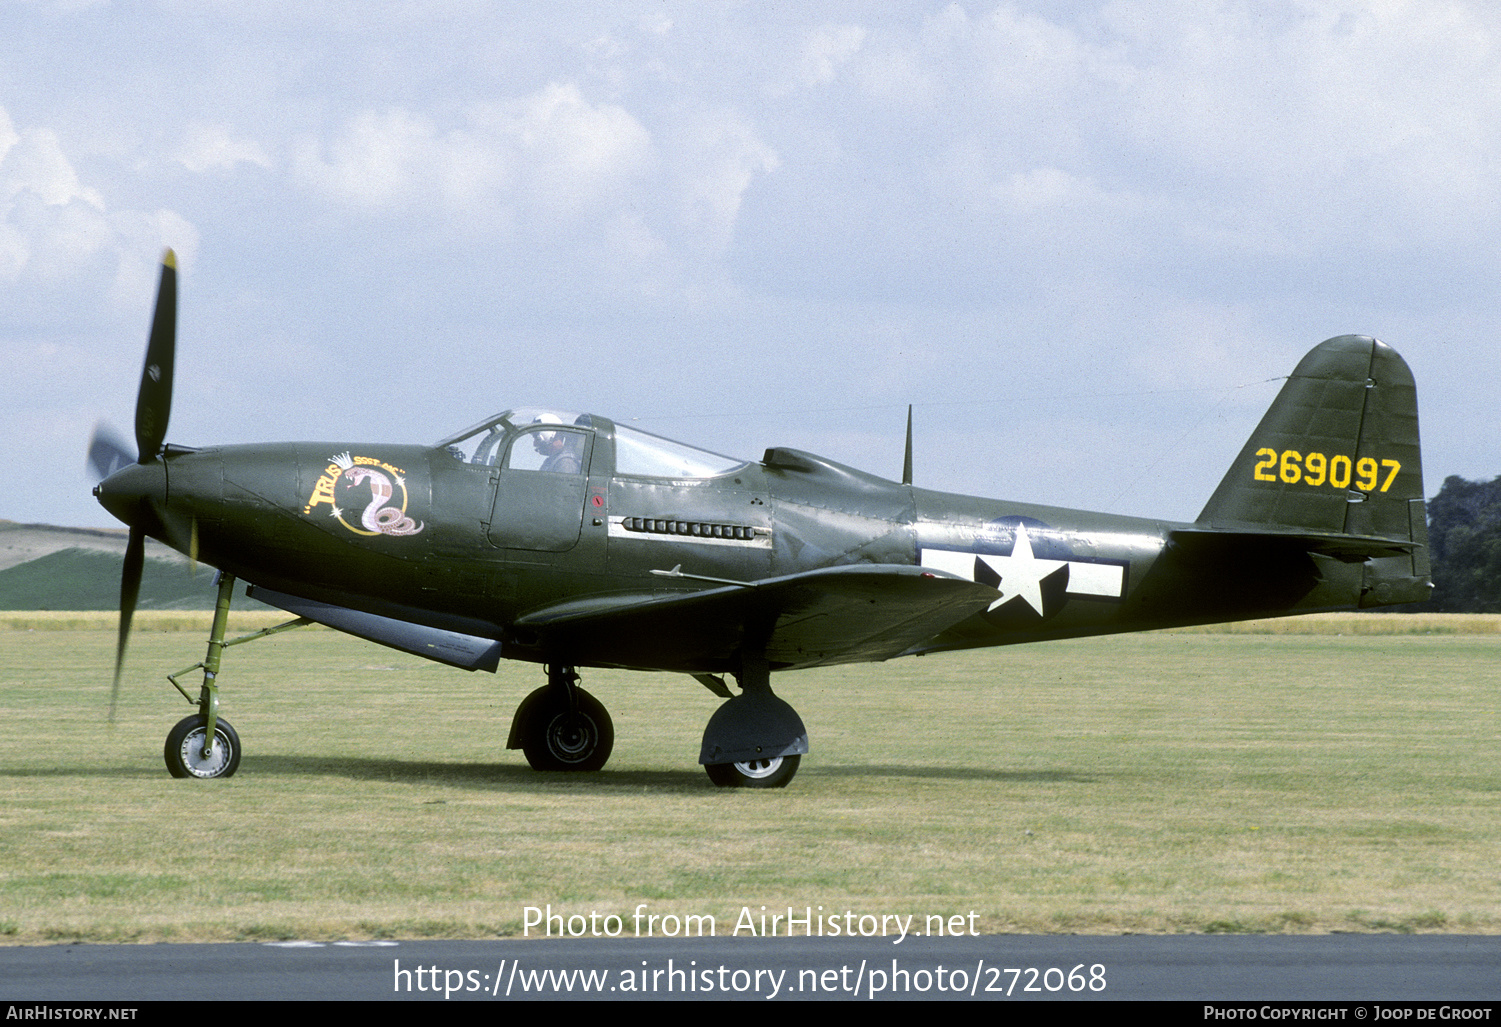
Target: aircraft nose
(133, 489)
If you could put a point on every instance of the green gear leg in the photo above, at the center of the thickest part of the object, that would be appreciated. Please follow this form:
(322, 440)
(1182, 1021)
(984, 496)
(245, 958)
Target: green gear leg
(208, 698)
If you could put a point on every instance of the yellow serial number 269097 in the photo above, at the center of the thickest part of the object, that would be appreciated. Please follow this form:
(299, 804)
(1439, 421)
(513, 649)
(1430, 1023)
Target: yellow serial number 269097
(1316, 469)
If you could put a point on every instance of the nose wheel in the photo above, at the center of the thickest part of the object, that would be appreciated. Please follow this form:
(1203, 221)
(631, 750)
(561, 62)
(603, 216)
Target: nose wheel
(185, 753)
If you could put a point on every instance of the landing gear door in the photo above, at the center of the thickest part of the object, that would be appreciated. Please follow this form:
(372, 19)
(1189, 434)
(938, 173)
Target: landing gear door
(540, 494)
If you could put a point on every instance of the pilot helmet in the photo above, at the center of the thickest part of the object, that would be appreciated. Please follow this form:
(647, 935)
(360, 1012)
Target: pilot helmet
(544, 438)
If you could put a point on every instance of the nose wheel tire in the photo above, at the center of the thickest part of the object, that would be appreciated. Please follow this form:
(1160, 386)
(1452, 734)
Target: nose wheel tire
(764, 773)
(184, 749)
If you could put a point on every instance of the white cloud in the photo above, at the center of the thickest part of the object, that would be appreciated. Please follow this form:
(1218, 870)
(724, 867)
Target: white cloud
(556, 179)
(570, 154)
(825, 50)
(57, 233)
(655, 23)
(34, 163)
(8, 135)
(1042, 189)
(1215, 144)
(377, 160)
(216, 147)
(1052, 188)
(1298, 112)
(717, 160)
(52, 225)
(552, 151)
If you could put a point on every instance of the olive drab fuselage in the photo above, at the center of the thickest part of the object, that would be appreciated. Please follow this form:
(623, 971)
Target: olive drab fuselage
(428, 535)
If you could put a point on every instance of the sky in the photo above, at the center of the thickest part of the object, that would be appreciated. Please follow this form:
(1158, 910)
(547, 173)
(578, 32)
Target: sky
(1084, 240)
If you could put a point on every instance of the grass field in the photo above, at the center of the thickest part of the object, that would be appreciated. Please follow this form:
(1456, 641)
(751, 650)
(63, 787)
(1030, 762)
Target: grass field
(1344, 777)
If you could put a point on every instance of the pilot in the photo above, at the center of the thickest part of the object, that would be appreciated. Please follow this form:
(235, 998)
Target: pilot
(560, 449)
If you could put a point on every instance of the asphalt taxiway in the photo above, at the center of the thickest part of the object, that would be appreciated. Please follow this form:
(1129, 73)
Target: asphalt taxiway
(1233, 968)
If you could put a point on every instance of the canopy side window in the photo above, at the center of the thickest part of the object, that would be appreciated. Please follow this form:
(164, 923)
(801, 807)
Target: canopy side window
(553, 450)
(485, 444)
(646, 455)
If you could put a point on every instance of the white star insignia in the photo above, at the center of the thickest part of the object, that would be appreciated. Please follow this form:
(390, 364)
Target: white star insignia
(1021, 572)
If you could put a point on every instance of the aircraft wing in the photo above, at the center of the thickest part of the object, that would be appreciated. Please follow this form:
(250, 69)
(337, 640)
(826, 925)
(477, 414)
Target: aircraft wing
(826, 616)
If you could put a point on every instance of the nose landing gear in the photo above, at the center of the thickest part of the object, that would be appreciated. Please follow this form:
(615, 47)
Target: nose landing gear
(205, 746)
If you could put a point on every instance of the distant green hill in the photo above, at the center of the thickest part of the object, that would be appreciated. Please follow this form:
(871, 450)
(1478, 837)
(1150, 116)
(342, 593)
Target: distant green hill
(43, 567)
(82, 579)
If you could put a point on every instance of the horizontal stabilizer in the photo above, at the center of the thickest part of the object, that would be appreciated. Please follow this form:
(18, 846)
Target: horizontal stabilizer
(1350, 548)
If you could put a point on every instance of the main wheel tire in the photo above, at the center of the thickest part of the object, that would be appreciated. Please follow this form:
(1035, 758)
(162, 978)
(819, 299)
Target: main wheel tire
(554, 739)
(184, 749)
(771, 773)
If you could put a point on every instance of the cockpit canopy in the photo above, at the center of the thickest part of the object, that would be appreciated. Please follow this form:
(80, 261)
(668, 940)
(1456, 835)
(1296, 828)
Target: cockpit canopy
(637, 453)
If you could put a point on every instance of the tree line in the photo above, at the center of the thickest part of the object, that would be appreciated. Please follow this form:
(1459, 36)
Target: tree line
(1464, 536)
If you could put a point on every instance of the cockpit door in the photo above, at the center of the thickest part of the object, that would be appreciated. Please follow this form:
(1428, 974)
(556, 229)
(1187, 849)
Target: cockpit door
(540, 491)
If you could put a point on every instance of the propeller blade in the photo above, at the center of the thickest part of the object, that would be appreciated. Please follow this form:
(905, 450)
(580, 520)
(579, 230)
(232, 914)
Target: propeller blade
(154, 402)
(108, 452)
(130, 590)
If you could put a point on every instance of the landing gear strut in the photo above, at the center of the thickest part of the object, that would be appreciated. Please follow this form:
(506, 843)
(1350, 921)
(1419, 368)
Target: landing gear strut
(204, 745)
(562, 727)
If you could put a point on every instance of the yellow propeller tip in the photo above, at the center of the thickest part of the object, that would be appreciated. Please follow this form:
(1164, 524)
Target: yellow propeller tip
(169, 259)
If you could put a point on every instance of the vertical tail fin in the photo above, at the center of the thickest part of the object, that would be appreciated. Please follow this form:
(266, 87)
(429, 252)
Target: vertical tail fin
(1338, 454)
(1337, 451)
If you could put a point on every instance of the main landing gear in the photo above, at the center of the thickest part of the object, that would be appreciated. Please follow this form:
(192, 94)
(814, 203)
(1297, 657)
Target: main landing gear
(754, 739)
(758, 773)
(562, 727)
